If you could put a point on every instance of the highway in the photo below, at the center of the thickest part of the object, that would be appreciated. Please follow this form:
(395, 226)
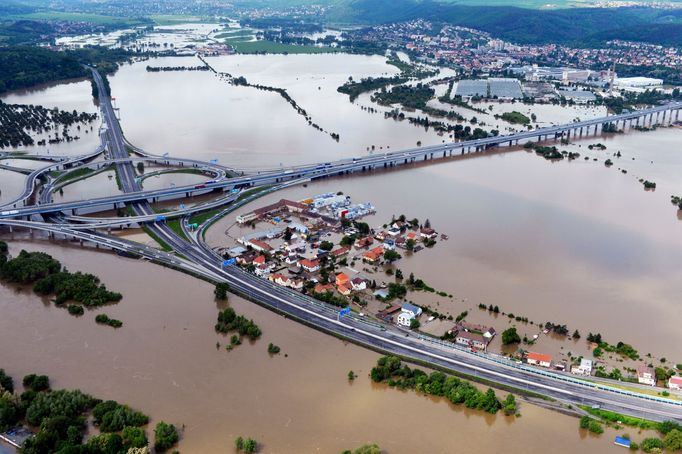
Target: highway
(201, 261)
(326, 169)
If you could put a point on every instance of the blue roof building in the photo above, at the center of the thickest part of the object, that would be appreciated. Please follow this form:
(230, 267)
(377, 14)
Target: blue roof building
(412, 309)
(621, 441)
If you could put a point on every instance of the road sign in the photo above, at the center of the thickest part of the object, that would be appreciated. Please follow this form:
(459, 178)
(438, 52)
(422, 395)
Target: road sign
(182, 206)
(213, 161)
(229, 262)
(344, 311)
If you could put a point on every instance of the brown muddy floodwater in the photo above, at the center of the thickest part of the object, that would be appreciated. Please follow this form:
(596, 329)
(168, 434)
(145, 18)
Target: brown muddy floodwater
(164, 361)
(574, 243)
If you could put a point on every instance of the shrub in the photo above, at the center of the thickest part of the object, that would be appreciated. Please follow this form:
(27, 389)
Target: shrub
(165, 436)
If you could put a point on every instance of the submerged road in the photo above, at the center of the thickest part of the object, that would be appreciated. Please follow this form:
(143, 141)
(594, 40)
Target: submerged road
(200, 260)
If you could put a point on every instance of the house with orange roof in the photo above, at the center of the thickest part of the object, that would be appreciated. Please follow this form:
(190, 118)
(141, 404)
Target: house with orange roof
(539, 359)
(310, 265)
(344, 289)
(323, 288)
(341, 279)
(374, 255)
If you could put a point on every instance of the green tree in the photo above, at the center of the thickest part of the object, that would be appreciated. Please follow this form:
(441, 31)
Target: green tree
(673, 440)
(326, 245)
(651, 444)
(165, 436)
(221, 290)
(391, 255)
(368, 449)
(510, 336)
(6, 381)
(134, 437)
(509, 405)
(414, 324)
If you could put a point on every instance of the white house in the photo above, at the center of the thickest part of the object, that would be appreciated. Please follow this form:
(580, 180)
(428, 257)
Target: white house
(405, 318)
(584, 368)
(412, 309)
(646, 376)
(359, 284)
(539, 359)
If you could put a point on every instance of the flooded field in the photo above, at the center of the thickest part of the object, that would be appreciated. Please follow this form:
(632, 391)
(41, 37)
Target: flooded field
(557, 242)
(164, 361)
(68, 96)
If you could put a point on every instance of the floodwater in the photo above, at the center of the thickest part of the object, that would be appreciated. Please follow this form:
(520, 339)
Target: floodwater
(195, 114)
(68, 96)
(573, 243)
(164, 361)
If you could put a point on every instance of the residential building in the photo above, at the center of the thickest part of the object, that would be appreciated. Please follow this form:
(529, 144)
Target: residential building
(539, 359)
(646, 375)
(427, 232)
(340, 252)
(675, 382)
(341, 279)
(405, 318)
(310, 266)
(472, 339)
(359, 284)
(412, 309)
(387, 314)
(584, 368)
(323, 288)
(374, 255)
(260, 246)
(344, 289)
(364, 242)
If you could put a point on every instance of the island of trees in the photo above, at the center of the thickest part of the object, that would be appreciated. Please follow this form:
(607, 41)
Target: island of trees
(19, 121)
(59, 420)
(390, 370)
(49, 277)
(156, 69)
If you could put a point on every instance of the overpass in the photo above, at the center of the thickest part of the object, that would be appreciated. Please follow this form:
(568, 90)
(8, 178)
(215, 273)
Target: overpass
(665, 114)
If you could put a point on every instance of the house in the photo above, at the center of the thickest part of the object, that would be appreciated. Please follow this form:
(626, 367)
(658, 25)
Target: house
(374, 255)
(279, 279)
(394, 231)
(246, 259)
(364, 242)
(260, 246)
(646, 375)
(340, 252)
(341, 279)
(323, 288)
(411, 236)
(485, 331)
(389, 244)
(262, 270)
(405, 318)
(471, 339)
(310, 265)
(358, 284)
(260, 260)
(291, 259)
(539, 359)
(428, 233)
(344, 289)
(387, 314)
(412, 309)
(296, 284)
(675, 382)
(401, 242)
(381, 235)
(584, 368)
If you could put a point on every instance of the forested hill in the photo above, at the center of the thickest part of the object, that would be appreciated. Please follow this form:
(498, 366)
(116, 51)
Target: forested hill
(580, 26)
(25, 66)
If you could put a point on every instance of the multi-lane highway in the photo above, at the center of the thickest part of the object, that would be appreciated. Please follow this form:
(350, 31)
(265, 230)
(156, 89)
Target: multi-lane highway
(339, 167)
(200, 260)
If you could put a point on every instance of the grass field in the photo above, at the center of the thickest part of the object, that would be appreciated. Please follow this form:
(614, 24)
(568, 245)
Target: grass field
(270, 47)
(80, 17)
(169, 19)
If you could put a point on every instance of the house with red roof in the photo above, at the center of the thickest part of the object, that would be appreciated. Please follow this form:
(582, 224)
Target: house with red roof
(539, 359)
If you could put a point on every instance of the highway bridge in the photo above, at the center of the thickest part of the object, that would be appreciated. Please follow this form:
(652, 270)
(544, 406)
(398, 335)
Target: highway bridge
(665, 114)
(195, 257)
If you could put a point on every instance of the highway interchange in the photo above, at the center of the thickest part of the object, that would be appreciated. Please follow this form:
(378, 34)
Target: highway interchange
(193, 256)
